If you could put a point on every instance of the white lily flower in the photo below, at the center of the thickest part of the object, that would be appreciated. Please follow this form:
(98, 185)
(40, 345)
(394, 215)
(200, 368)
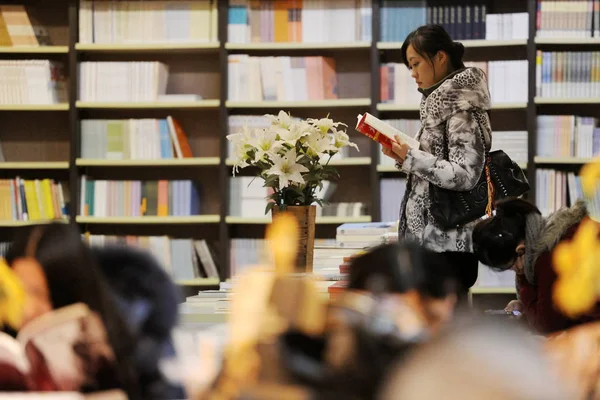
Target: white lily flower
(319, 144)
(282, 120)
(341, 139)
(287, 168)
(325, 124)
(265, 142)
(294, 132)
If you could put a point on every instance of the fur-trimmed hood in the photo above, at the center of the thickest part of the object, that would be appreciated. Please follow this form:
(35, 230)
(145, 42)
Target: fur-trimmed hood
(557, 225)
(463, 90)
(546, 233)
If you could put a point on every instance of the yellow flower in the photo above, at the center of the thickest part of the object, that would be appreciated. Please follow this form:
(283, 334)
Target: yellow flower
(12, 297)
(577, 264)
(590, 177)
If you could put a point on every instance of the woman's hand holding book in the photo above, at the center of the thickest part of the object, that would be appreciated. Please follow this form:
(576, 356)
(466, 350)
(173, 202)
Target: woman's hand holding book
(398, 151)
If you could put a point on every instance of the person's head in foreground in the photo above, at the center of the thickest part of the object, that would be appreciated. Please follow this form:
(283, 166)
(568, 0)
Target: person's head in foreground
(491, 361)
(412, 275)
(58, 270)
(398, 295)
(431, 54)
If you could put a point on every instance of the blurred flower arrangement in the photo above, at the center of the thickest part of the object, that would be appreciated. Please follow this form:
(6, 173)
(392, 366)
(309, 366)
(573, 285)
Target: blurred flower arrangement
(12, 297)
(292, 156)
(577, 262)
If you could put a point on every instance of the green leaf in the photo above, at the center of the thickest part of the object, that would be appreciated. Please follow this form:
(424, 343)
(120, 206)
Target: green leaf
(269, 207)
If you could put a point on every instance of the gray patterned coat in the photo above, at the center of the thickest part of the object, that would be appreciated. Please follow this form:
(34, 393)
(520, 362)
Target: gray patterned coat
(451, 155)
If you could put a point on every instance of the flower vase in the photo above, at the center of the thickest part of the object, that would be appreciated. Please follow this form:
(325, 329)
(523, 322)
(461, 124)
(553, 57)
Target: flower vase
(306, 216)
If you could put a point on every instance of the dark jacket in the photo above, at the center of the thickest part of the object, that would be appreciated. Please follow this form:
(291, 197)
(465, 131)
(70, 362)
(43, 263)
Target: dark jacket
(148, 300)
(539, 309)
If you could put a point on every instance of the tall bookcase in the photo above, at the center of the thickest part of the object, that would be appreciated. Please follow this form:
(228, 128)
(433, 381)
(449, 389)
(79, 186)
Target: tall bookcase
(205, 66)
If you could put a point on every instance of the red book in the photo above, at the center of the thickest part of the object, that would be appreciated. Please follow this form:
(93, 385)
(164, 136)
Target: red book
(382, 132)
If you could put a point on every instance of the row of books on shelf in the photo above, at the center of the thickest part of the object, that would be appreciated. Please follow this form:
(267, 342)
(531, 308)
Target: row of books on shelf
(133, 139)
(507, 81)
(32, 200)
(311, 21)
(556, 189)
(183, 259)
(572, 18)
(122, 80)
(32, 82)
(143, 21)
(20, 27)
(567, 136)
(568, 74)
(248, 199)
(281, 78)
(464, 21)
(559, 74)
(134, 198)
(308, 21)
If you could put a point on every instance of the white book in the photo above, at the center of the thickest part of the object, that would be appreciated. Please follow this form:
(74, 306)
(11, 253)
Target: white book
(372, 127)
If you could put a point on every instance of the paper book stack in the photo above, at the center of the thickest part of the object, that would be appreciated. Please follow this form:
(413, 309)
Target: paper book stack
(363, 235)
(209, 301)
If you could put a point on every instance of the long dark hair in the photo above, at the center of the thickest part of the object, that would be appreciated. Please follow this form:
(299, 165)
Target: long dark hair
(428, 40)
(495, 239)
(74, 277)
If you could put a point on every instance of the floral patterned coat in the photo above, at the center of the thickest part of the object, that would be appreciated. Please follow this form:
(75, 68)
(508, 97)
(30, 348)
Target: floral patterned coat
(453, 115)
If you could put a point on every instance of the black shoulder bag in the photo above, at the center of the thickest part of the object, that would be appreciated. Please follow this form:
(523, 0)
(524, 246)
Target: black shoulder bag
(501, 177)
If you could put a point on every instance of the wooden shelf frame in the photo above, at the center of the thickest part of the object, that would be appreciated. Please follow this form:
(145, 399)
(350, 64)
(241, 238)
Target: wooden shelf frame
(222, 109)
(147, 47)
(337, 103)
(175, 162)
(467, 43)
(233, 220)
(147, 220)
(148, 105)
(24, 165)
(298, 46)
(17, 224)
(35, 107)
(34, 50)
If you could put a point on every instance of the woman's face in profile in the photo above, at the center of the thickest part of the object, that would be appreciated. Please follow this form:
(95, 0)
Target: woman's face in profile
(422, 69)
(35, 284)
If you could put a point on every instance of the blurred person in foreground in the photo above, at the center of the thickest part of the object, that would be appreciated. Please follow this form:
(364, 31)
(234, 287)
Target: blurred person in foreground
(477, 361)
(398, 295)
(57, 270)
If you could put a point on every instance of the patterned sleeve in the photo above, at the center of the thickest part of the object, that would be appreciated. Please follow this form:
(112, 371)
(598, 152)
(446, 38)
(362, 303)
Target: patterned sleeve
(466, 156)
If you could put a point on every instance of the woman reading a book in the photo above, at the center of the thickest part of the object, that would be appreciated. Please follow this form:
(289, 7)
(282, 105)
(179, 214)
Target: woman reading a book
(455, 132)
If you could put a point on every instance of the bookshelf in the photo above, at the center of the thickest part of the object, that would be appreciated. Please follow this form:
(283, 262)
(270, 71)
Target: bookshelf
(44, 140)
(155, 105)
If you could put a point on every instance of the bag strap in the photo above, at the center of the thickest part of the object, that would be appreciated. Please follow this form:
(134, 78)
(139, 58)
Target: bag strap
(491, 203)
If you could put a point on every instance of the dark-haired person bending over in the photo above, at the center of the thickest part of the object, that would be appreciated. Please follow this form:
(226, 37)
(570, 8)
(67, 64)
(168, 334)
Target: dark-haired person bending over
(519, 238)
(455, 131)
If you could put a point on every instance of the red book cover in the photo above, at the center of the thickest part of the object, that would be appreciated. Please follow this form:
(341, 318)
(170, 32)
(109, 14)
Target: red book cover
(382, 132)
(373, 133)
